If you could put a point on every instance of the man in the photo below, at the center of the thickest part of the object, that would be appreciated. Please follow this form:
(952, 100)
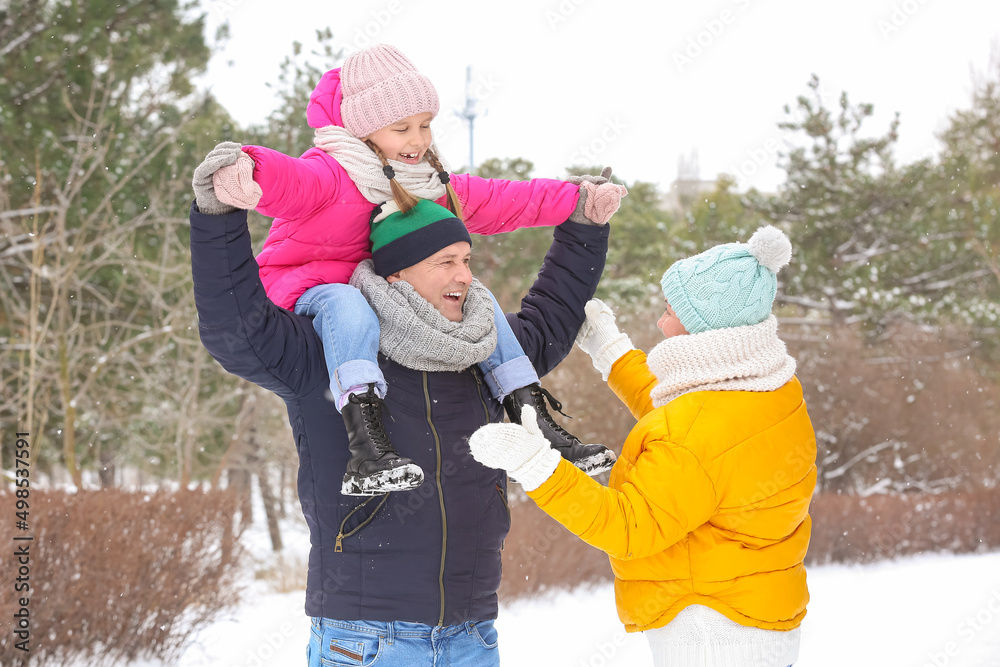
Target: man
(408, 576)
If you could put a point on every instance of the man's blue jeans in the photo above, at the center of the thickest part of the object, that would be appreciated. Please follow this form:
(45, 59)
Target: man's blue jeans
(349, 330)
(400, 644)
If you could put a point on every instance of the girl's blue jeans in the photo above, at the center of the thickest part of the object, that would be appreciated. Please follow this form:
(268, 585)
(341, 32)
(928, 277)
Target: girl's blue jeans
(349, 329)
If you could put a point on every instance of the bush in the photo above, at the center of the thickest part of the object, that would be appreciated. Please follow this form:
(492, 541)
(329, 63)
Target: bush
(904, 414)
(541, 555)
(852, 529)
(117, 575)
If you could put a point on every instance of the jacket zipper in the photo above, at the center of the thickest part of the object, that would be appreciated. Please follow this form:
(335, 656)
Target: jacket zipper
(479, 381)
(440, 491)
(503, 499)
(486, 415)
(341, 535)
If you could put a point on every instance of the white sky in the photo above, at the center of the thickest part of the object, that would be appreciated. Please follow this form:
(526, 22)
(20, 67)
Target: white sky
(636, 84)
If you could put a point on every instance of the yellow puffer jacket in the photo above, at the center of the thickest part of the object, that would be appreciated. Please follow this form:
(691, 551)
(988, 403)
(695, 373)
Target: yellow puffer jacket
(707, 504)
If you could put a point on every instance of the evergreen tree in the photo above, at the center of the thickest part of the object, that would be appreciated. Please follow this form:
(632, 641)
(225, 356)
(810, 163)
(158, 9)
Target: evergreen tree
(102, 353)
(877, 243)
(968, 212)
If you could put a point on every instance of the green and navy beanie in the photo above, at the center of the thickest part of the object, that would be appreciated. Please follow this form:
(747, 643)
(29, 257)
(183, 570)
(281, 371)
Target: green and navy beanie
(730, 285)
(400, 240)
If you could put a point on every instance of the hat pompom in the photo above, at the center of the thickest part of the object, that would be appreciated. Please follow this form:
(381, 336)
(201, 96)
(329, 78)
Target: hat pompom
(770, 247)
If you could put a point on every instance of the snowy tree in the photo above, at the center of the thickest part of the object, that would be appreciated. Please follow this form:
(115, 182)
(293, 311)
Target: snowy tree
(286, 129)
(905, 256)
(969, 173)
(876, 242)
(101, 351)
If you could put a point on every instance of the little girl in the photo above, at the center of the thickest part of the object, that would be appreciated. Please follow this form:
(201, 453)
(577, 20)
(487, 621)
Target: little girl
(705, 516)
(374, 143)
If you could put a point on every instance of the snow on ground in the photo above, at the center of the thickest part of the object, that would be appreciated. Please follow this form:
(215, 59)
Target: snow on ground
(933, 610)
(926, 611)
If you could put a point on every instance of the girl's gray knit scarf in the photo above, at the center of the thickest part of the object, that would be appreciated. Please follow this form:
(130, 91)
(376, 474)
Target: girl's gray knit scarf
(414, 334)
(750, 358)
(365, 169)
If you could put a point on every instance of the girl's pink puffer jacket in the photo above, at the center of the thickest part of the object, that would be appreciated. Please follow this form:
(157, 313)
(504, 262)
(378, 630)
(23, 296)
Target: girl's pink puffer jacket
(320, 228)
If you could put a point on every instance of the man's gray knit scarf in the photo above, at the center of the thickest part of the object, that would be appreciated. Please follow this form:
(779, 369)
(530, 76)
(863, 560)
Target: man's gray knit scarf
(365, 169)
(414, 334)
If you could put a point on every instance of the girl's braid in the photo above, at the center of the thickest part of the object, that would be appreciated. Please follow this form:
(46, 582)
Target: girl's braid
(453, 203)
(404, 200)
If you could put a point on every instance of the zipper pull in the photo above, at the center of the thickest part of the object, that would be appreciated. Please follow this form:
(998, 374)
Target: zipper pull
(340, 543)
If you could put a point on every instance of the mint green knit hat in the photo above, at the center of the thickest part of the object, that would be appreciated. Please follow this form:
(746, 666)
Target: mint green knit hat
(730, 285)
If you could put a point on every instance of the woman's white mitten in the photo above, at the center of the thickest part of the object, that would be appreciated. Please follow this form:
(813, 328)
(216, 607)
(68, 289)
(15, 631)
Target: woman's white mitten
(520, 450)
(600, 338)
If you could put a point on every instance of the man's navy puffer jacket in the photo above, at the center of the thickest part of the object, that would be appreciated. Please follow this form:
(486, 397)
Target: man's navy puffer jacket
(430, 555)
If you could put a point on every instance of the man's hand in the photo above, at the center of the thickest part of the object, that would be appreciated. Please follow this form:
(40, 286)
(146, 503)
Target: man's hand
(599, 198)
(600, 338)
(588, 178)
(520, 450)
(222, 155)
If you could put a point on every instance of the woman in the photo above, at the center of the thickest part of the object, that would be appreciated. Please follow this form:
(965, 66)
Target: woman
(705, 516)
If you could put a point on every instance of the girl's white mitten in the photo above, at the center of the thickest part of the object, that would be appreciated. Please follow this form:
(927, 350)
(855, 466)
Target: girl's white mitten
(600, 338)
(520, 450)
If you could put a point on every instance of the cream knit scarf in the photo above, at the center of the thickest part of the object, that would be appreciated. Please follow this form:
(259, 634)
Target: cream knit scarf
(414, 334)
(365, 169)
(750, 358)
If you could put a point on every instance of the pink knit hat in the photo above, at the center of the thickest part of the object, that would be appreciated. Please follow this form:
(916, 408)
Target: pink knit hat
(380, 87)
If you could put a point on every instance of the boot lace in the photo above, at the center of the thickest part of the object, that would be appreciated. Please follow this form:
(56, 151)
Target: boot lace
(372, 408)
(540, 395)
